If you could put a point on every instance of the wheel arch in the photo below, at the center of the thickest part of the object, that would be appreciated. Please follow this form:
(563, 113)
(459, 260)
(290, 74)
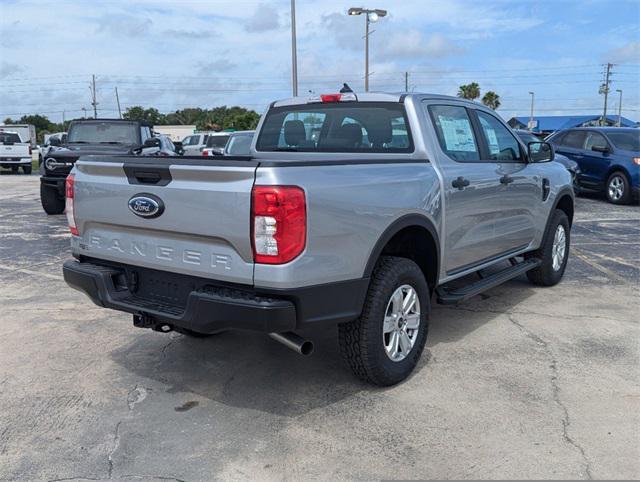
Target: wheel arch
(617, 168)
(565, 202)
(412, 236)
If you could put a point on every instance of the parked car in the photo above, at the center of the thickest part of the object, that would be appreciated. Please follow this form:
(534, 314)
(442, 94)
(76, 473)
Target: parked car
(397, 197)
(609, 159)
(195, 143)
(239, 144)
(216, 144)
(86, 137)
(571, 166)
(15, 153)
(158, 145)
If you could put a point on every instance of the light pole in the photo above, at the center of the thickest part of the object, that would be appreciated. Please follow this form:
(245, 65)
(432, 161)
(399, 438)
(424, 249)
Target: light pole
(619, 108)
(371, 15)
(533, 95)
(294, 51)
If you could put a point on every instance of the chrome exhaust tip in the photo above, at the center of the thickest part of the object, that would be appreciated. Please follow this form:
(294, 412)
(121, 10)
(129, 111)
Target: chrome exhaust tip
(294, 342)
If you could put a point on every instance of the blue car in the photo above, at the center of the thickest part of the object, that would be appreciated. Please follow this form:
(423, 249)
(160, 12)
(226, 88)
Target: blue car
(609, 159)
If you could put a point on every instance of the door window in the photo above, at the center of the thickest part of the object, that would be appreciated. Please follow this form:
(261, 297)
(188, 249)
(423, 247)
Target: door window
(574, 139)
(455, 132)
(502, 145)
(595, 139)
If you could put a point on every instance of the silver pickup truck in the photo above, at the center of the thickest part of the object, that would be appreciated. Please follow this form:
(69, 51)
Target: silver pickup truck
(353, 210)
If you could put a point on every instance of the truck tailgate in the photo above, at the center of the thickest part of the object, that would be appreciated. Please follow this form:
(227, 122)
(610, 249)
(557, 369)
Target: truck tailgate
(204, 229)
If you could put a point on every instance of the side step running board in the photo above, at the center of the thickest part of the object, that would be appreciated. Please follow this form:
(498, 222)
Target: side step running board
(456, 295)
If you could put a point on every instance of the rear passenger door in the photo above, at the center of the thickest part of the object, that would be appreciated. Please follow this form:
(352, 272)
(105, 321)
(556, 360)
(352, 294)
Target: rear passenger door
(520, 184)
(472, 189)
(572, 145)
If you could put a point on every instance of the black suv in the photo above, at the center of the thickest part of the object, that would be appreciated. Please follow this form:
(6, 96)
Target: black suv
(86, 137)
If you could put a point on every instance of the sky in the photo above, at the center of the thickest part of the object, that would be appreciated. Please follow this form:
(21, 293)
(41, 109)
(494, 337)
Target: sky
(172, 54)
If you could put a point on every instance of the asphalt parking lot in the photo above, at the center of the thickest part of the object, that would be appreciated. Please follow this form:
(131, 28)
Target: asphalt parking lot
(523, 382)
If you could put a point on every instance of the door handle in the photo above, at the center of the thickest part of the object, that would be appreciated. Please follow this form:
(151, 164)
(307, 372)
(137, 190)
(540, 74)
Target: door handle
(460, 183)
(506, 179)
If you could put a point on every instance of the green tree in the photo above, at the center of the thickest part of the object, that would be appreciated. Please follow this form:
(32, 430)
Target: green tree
(491, 100)
(41, 122)
(469, 91)
(151, 115)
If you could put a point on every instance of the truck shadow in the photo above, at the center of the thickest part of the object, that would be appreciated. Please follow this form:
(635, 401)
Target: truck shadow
(249, 370)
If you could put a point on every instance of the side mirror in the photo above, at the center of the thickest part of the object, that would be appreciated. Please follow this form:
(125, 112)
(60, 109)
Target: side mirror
(540, 151)
(603, 149)
(54, 141)
(151, 142)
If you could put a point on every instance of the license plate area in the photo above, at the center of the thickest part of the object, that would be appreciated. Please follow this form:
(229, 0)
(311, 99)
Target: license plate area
(165, 288)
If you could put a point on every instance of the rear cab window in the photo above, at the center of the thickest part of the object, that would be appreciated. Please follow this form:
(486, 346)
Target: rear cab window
(455, 132)
(350, 127)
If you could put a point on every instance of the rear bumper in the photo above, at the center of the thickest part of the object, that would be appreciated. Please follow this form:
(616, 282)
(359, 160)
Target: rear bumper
(13, 161)
(208, 307)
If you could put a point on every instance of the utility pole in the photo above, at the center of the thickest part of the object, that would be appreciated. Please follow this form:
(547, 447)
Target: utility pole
(406, 81)
(533, 95)
(294, 51)
(118, 102)
(604, 89)
(84, 112)
(619, 108)
(63, 117)
(93, 97)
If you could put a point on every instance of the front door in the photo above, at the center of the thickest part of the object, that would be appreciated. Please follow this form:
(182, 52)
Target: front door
(595, 164)
(520, 188)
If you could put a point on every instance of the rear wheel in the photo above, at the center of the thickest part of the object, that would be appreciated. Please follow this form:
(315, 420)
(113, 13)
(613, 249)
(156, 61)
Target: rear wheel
(14, 168)
(27, 169)
(52, 203)
(618, 190)
(384, 344)
(554, 252)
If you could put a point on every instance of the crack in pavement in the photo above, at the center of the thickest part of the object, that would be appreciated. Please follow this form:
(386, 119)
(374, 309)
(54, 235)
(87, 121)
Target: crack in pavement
(556, 393)
(116, 444)
(527, 312)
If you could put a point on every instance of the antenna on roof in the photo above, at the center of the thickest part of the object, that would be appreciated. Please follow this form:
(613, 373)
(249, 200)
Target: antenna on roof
(346, 89)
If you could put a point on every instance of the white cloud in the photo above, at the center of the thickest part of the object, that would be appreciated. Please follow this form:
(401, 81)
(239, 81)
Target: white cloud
(413, 44)
(629, 52)
(265, 18)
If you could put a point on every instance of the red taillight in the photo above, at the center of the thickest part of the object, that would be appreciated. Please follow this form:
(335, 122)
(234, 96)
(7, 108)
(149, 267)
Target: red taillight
(69, 195)
(278, 223)
(205, 153)
(330, 97)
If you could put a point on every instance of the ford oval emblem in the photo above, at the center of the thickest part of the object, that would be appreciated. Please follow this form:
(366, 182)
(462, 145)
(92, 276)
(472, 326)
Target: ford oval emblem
(146, 205)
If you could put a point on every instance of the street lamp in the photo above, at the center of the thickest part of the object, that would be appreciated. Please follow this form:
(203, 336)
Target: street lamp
(294, 51)
(371, 15)
(619, 108)
(532, 94)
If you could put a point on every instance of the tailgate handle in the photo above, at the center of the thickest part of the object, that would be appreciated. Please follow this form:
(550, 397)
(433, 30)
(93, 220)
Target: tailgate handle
(147, 177)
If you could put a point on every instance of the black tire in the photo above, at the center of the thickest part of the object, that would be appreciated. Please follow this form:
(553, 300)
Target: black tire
(15, 168)
(191, 333)
(362, 340)
(27, 169)
(545, 274)
(52, 203)
(623, 182)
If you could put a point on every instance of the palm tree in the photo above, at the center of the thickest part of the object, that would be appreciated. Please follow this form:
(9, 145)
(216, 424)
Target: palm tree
(491, 100)
(469, 91)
